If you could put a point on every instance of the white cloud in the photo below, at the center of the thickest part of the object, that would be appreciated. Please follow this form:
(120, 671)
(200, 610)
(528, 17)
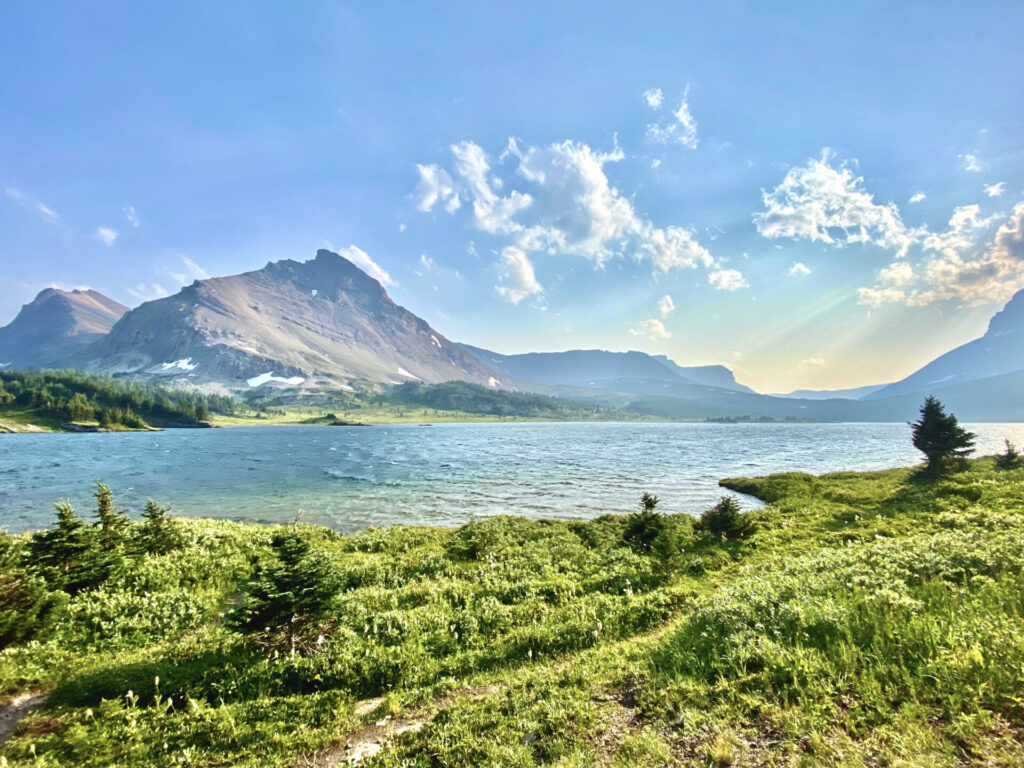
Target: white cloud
(812, 364)
(426, 261)
(681, 128)
(192, 272)
(31, 204)
(996, 190)
(822, 203)
(402, 227)
(653, 97)
(971, 162)
(106, 235)
(874, 297)
(727, 279)
(516, 276)
(148, 291)
(435, 185)
(361, 259)
(799, 269)
(917, 197)
(666, 306)
(572, 208)
(652, 329)
(491, 212)
(898, 273)
(131, 215)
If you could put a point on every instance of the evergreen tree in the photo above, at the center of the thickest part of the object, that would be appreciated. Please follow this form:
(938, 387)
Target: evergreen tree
(726, 521)
(644, 526)
(294, 592)
(65, 556)
(940, 438)
(158, 533)
(1010, 458)
(113, 522)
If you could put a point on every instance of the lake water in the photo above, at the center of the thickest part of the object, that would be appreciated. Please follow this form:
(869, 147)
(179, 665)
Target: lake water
(351, 477)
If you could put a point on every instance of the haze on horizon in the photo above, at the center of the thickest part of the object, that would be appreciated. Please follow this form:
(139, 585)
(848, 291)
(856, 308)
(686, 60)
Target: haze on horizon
(817, 198)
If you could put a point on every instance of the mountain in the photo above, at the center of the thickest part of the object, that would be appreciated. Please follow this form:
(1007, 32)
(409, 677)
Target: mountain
(999, 351)
(56, 325)
(598, 369)
(292, 323)
(855, 393)
(708, 375)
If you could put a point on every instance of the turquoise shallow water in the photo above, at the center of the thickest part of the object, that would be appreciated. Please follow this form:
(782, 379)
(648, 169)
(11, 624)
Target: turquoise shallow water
(352, 477)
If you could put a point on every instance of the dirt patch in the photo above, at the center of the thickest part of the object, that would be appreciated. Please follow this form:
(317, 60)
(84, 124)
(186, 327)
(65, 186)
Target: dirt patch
(369, 739)
(17, 708)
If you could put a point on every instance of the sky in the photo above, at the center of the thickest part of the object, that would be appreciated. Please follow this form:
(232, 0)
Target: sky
(815, 195)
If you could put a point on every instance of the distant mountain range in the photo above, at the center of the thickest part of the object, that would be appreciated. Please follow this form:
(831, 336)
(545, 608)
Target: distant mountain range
(326, 324)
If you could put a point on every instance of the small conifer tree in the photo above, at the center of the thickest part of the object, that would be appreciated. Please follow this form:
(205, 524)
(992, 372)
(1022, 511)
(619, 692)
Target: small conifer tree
(726, 521)
(65, 556)
(158, 533)
(293, 593)
(1010, 458)
(940, 438)
(644, 526)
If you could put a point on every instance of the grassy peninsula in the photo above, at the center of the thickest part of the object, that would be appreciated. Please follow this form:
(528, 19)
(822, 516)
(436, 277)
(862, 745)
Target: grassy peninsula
(858, 619)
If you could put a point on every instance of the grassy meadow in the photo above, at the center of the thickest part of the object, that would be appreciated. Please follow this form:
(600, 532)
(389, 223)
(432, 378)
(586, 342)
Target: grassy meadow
(858, 619)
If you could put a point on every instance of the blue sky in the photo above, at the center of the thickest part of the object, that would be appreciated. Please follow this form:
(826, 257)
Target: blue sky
(754, 162)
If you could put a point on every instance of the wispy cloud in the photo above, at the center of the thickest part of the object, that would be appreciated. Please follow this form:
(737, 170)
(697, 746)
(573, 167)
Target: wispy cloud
(32, 204)
(191, 272)
(516, 277)
(971, 162)
(147, 291)
(812, 364)
(666, 306)
(680, 128)
(917, 197)
(799, 269)
(106, 235)
(651, 329)
(361, 259)
(131, 215)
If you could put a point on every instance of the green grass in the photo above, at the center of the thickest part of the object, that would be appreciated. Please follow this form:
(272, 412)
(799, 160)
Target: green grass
(873, 619)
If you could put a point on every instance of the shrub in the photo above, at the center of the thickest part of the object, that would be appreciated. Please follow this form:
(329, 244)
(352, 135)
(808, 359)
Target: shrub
(158, 534)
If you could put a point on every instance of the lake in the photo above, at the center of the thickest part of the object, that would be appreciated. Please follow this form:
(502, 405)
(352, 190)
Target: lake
(349, 478)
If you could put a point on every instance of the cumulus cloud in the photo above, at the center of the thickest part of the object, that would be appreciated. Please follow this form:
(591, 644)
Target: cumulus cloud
(996, 190)
(653, 97)
(106, 235)
(131, 215)
(680, 128)
(799, 269)
(666, 306)
(361, 259)
(823, 203)
(917, 197)
(727, 279)
(30, 203)
(516, 277)
(652, 329)
(571, 209)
